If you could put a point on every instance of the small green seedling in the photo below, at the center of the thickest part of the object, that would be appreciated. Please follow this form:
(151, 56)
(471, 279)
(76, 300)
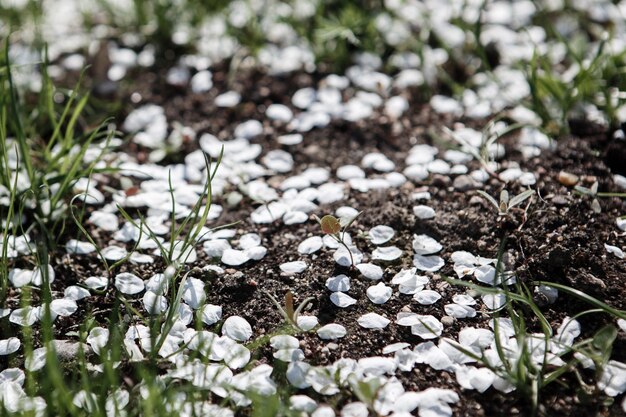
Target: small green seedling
(593, 193)
(287, 311)
(332, 227)
(505, 205)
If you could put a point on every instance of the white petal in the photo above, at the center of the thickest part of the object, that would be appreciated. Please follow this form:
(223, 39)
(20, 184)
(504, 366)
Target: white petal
(296, 374)
(355, 409)
(291, 139)
(427, 297)
(470, 377)
(280, 112)
(494, 301)
(97, 283)
(427, 328)
(12, 396)
(211, 314)
(37, 360)
(153, 303)
(342, 300)
(237, 328)
(407, 319)
(104, 220)
(310, 245)
(380, 234)
(464, 299)
(302, 403)
(237, 356)
(339, 283)
(26, 316)
(193, 293)
(347, 172)
(284, 341)
(342, 257)
(425, 245)
(370, 271)
(330, 193)
(289, 355)
(63, 307)
(256, 253)
(428, 263)
(332, 243)
(377, 365)
(158, 283)
(373, 321)
(486, 274)
(228, 99)
(473, 337)
(395, 347)
(128, 283)
(74, 292)
(292, 268)
(295, 217)
(37, 278)
(307, 323)
(98, 338)
(249, 240)
(331, 331)
(463, 257)
(114, 253)
(20, 277)
(459, 311)
(79, 248)
(614, 250)
(387, 253)
(215, 248)
(379, 293)
(278, 160)
(234, 257)
(10, 345)
(248, 129)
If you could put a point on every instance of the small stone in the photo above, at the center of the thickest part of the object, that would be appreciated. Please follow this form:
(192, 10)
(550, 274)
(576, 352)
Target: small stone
(423, 212)
(476, 200)
(447, 320)
(67, 350)
(464, 183)
(567, 179)
(559, 200)
(591, 281)
(440, 181)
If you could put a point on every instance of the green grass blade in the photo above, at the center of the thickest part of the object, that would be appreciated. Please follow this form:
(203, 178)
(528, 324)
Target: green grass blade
(585, 297)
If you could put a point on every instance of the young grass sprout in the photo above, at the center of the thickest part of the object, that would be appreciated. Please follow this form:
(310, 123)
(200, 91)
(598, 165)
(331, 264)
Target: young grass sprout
(530, 361)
